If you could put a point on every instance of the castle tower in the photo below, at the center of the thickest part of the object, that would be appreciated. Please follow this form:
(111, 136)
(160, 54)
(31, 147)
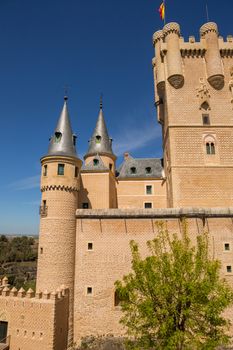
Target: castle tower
(60, 179)
(194, 99)
(99, 161)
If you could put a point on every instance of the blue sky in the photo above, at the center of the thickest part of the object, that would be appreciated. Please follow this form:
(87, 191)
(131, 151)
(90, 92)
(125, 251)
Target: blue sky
(92, 46)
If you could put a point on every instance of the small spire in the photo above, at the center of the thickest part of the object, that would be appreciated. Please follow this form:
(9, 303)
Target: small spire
(63, 140)
(100, 142)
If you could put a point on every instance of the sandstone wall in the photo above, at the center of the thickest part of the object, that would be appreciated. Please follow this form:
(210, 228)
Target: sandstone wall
(110, 232)
(35, 322)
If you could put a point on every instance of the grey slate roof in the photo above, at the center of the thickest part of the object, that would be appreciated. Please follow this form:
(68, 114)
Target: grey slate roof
(144, 168)
(62, 141)
(91, 167)
(100, 141)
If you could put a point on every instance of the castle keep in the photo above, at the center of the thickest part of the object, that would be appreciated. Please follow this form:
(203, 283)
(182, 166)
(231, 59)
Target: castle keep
(91, 210)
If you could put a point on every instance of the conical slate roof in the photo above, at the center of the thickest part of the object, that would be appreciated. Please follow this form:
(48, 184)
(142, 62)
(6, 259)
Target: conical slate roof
(62, 143)
(100, 142)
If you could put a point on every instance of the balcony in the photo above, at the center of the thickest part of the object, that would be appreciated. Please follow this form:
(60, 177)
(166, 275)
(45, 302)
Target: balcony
(43, 211)
(5, 343)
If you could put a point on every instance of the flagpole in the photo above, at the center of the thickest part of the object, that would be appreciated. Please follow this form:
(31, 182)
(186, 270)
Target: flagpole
(164, 4)
(207, 13)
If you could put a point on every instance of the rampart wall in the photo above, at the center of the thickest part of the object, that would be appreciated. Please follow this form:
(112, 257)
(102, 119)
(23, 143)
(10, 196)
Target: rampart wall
(35, 321)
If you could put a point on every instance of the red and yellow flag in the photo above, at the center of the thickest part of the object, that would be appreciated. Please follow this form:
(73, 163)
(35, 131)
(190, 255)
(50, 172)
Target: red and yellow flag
(162, 11)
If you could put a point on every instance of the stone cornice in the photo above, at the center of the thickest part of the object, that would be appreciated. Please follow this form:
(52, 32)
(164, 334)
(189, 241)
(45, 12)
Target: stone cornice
(165, 213)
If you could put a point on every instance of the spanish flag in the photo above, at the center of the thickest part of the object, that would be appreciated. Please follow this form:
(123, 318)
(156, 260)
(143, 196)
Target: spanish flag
(162, 10)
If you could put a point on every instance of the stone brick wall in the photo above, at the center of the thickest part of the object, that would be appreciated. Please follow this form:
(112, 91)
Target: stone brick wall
(207, 88)
(131, 194)
(35, 322)
(110, 232)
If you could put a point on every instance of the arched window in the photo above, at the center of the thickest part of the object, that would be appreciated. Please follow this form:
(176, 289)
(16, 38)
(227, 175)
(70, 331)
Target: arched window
(210, 144)
(210, 148)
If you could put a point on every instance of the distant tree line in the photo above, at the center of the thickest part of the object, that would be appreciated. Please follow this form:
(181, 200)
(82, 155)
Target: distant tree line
(17, 249)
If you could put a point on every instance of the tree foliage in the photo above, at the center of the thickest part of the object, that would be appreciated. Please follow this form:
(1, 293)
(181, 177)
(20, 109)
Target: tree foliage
(174, 299)
(17, 249)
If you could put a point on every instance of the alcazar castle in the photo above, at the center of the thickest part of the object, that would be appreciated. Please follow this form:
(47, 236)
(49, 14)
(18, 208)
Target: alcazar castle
(90, 210)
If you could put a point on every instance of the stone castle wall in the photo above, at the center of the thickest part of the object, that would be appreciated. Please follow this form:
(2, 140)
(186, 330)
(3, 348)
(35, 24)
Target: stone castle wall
(192, 79)
(110, 232)
(35, 322)
(131, 194)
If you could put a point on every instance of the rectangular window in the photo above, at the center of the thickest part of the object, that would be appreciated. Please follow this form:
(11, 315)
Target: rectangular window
(148, 205)
(61, 169)
(206, 119)
(89, 246)
(117, 298)
(227, 246)
(45, 169)
(148, 189)
(229, 269)
(85, 205)
(89, 290)
(3, 331)
(76, 172)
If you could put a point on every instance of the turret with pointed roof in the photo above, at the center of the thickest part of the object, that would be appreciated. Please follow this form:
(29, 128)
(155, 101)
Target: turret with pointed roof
(62, 143)
(100, 142)
(60, 184)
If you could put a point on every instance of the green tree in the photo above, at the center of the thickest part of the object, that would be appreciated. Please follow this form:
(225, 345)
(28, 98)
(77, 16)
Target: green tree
(174, 298)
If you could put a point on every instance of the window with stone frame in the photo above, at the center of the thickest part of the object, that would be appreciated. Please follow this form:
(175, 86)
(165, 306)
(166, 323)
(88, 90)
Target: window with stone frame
(61, 169)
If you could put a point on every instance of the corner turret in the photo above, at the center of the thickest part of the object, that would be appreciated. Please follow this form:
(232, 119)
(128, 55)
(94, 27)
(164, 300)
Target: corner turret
(60, 183)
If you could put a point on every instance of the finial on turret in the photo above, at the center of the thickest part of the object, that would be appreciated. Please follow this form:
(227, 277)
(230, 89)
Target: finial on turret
(101, 101)
(65, 98)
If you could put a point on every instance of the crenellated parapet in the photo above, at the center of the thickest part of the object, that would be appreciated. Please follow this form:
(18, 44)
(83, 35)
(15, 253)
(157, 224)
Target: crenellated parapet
(59, 294)
(171, 50)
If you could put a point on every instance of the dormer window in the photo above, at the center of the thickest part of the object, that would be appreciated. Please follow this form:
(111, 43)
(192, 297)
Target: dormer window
(95, 162)
(58, 136)
(148, 170)
(133, 170)
(98, 139)
(74, 140)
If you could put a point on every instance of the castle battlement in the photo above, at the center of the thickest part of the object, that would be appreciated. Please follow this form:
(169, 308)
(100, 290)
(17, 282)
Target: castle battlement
(40, 296)
(171, 49)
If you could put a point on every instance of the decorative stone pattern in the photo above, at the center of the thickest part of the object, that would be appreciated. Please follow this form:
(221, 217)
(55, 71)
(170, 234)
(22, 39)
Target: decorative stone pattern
(171, 28)
(208, 27)
(157, 36)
